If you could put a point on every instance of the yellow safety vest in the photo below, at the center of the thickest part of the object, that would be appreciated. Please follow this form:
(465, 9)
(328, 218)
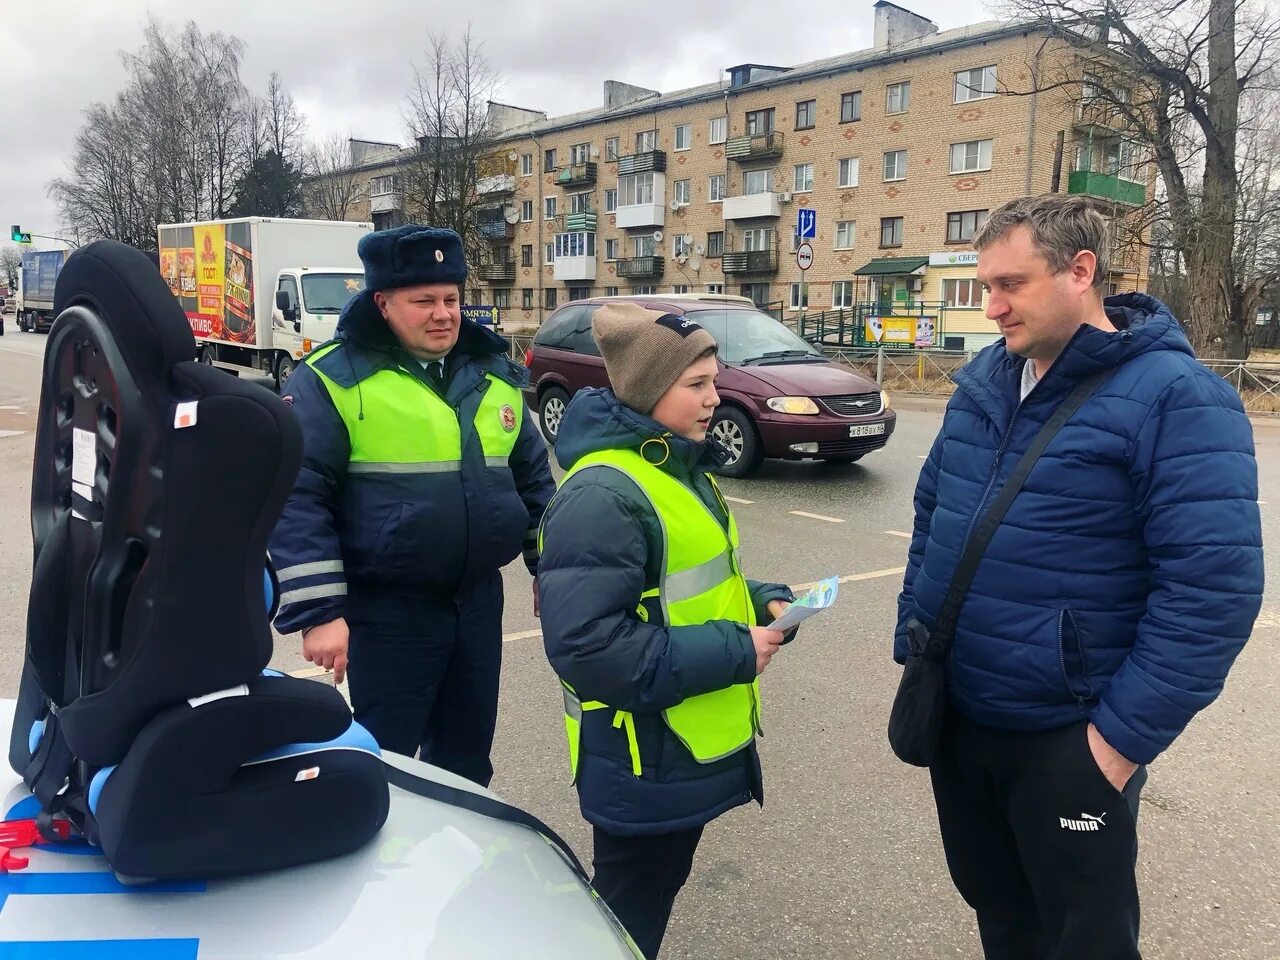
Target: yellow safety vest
(700, 581)
(408, 428)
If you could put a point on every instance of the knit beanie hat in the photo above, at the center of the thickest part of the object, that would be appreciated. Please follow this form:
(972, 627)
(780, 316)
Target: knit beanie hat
(645, 351)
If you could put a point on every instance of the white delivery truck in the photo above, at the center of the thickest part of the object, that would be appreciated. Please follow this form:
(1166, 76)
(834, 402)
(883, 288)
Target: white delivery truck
(261, 293)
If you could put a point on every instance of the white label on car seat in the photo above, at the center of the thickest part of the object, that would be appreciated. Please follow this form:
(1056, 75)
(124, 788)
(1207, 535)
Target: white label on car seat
(84, 456)
(308, 774)
(185, 415)
(83, 490)
(239, 691)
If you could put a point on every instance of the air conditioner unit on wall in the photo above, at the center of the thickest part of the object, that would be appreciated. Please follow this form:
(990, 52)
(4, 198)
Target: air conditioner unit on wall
(915, 284)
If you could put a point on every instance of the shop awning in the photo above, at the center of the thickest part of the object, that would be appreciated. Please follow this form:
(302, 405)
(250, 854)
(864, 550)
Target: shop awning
(891, 266)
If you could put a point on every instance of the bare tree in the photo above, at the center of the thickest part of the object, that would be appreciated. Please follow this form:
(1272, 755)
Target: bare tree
(447, 116)
(333, 186)
(1174, 75)
(10, 264)
(285, 125)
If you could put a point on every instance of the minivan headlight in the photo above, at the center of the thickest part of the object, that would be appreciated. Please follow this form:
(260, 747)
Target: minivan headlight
(884, 399)
(799, 405)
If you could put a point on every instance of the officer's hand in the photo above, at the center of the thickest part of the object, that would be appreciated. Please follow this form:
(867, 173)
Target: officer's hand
(766, 642)
(325, 645)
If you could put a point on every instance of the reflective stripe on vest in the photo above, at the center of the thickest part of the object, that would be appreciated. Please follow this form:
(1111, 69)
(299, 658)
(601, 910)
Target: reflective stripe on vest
(407, 428)
(700, 581)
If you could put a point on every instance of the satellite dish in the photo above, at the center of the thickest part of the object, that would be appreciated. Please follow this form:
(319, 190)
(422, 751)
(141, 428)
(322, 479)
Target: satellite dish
(511, 215)
(657, 236)
(695, 265)
(699, 249)
(595, 152)
(688, 238)
(682, 258)
(675, 205)
(513, 156)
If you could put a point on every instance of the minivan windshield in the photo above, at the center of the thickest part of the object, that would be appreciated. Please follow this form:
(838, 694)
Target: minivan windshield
(329, 292)
(748, 336)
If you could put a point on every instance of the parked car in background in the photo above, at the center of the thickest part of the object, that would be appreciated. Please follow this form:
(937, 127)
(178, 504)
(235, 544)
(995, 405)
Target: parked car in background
(779, 396)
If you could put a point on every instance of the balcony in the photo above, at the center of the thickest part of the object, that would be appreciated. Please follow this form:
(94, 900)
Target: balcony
(501, 271)
(491, 224)
(649, 161)
(639, 267)
(384, 202)
(1103, 186)
(578, 175)
(749, 261)
(496, 186)
(760, 146)
(751, 205)
(570, 269)
(584, 222)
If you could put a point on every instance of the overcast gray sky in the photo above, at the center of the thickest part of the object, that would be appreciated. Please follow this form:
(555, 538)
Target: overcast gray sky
(349, 65)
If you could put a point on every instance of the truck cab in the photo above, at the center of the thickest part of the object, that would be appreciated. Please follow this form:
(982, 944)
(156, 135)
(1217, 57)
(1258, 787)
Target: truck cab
(308, 302)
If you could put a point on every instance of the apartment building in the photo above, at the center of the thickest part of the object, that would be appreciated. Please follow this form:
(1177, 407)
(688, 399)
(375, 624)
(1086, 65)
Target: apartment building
(900, 150)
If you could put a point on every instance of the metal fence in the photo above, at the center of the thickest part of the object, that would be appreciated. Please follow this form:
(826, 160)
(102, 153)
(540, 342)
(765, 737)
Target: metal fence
(1257, 381)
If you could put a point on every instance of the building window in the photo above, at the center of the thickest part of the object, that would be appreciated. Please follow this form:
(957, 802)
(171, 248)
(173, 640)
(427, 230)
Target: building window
(898, 97)
(757, 293)
(803, 179)
(646, 141)
(611, 249)
(715, 188)
(680, 288)
(610, 200)
(971, 156)
(851, 106)
(580, 202)
(799, 297)
(715, 243)
(502, 298)
(842, 294)
(757, 181)
(682, 191)
(549, 254)
(890, 231)
(760, 122)
(643, 246)
(976, 84)
(844, 234)
(849, 168)
(611, 148)
(962, 293)
(548, 160)
(895, 165)
(681, 246)
(684, 136)
(610, 291)
(718, 131)
(575, 245)
(526, 255)
(963, 225)
(548, 208)
(549, 298)
(579, 153)
(643, 290)
(760, 238)
(806, 114)
(579, 293)
(635, 189)
(526, 211)
(526, 298)
(715, 288)
(382, 186)
(526, 164)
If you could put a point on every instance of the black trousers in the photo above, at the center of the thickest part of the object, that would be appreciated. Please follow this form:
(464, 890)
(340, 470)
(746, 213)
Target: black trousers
(639, 878)
(1039, 843)
(424, 672)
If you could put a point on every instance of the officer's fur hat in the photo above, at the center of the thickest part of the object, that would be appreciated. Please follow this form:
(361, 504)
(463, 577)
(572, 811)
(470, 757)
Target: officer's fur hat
(411, 255)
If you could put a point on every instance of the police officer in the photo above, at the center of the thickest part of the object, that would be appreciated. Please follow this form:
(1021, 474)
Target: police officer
(648, 620)
(423, 474)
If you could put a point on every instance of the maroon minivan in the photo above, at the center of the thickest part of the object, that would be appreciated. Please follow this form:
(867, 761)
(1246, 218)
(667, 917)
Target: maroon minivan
(779, 396)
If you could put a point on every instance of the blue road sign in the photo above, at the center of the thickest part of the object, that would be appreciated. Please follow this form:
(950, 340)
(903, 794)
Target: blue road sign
(806, 223)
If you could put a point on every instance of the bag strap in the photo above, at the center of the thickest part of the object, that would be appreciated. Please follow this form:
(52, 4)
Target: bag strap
(484, 805)
(944, 628)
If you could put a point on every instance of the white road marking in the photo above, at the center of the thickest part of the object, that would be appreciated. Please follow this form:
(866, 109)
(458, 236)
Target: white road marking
(1262, 503)
(738, 500)
(816, 516)
(898, 533)
(522, 635)
(854, 577)
(922, 458)
(10, 433)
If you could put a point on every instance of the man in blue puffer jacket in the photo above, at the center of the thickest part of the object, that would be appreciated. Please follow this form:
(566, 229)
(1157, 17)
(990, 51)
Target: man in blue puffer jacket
(1112, 600)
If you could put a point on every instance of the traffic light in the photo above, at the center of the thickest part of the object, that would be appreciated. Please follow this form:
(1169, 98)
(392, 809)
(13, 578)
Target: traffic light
(17, 236)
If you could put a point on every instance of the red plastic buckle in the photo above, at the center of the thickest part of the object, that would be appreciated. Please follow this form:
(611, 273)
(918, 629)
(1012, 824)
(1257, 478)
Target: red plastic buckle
(25, 833)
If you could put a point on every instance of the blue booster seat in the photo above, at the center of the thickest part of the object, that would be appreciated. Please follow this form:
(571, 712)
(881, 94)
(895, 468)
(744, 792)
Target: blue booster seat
(146, 716)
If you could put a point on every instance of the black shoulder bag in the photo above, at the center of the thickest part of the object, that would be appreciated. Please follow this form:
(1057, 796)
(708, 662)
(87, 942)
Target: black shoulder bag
(915, 722)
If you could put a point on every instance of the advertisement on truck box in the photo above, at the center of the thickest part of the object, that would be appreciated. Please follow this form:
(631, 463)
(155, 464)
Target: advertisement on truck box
(209, 268)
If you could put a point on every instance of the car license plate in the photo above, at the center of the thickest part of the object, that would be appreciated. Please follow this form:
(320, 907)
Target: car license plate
(866, 430)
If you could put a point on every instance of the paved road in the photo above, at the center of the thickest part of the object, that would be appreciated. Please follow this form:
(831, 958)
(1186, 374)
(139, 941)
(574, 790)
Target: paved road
(844, 861)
